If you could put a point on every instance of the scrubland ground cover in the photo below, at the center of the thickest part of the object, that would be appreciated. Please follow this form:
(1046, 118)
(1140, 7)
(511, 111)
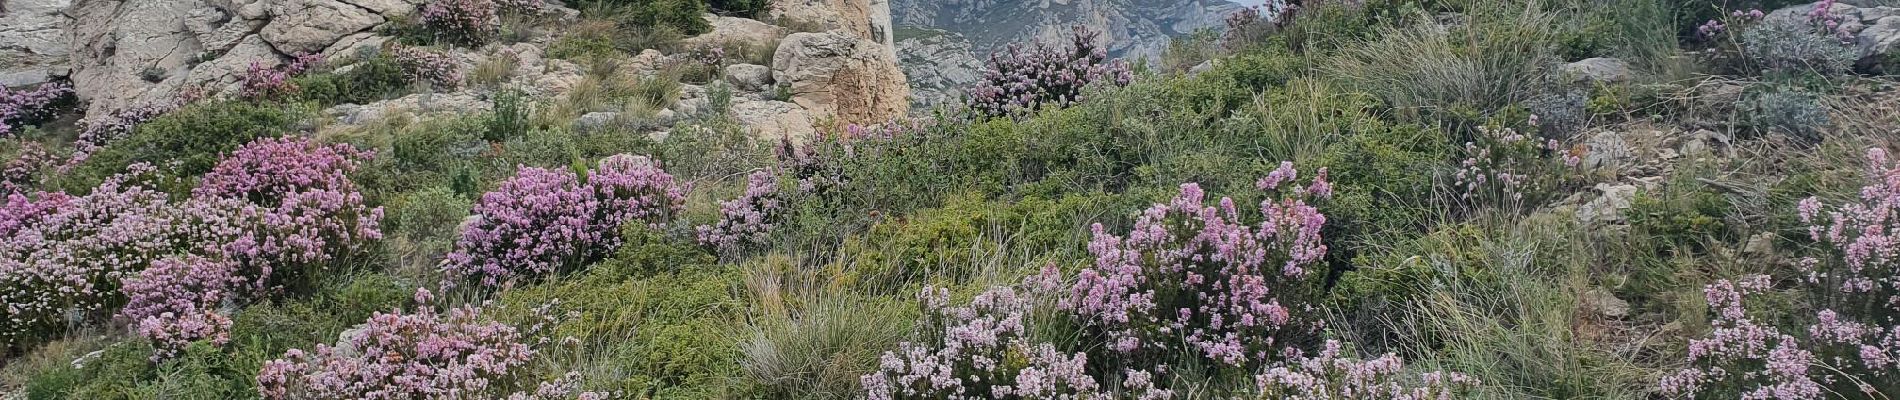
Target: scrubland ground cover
(1352, 200)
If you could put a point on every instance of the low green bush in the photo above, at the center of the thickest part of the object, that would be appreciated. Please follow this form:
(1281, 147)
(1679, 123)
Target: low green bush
(372, 79)
(184, 143)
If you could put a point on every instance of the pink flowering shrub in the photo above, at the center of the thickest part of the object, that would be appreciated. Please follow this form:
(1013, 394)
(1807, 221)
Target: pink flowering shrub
(1190, 286)
(62, 257)
(1850, 345)
(980, 351)
(1501, 166)
(117, 125)
(749, 219)
(424, 66)
(261, 82)
(461, 21)
(459, 354)
(291, 207)
(1333, 375)
(543, 221)
(19, 108)
(1251, 24)
(1027, 78)
(19, 174)
(1192, 280)
(176, 302)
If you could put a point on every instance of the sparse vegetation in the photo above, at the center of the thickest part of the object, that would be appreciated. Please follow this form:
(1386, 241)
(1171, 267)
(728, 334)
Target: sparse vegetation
(1348, 200)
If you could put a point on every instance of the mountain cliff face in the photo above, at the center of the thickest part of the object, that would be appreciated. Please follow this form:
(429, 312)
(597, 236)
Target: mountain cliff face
(1134, 28)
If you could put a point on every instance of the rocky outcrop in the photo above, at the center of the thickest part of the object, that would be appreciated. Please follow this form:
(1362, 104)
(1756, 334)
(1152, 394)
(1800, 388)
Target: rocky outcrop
(775, 120)
(839, 74)
(32, 41)
(130, 52)
(1133, 28)
(731, 31)
(867, 19)
(938, 65)
(309, 26)
(1873, 29)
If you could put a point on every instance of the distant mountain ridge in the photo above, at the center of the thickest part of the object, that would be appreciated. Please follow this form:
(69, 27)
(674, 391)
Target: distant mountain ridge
(1133, 28)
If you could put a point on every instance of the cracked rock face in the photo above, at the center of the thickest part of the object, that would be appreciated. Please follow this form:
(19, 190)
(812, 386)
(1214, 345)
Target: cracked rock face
(124, 53)
(309, 26)
(837, 73)
(32, 41)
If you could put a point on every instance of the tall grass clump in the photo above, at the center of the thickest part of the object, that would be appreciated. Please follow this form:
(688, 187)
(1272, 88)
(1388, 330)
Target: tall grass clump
(1495, 59)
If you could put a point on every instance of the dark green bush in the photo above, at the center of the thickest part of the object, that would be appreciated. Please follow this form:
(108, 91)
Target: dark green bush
(686, 16)
(373, 79)
(184, 143)
(654, 321)
(742, 8)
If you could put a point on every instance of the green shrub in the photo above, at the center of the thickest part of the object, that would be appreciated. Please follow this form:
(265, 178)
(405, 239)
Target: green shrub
(184, 143)
(1785, 109)
(821, 350)
(510, 118)
(654, 321)
(682, 15)
(372, 79)
(423, 225)
(1493, 60)
(124, 370)
(742, 8)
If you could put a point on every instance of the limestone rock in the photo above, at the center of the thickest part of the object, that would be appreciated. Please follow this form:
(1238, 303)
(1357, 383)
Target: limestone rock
(595, 121)
(866, 19)
(837, 74)
(1608, 207)
(118, 45)
(733, 31)
(774, 120)
(1603, 70)
(33, 45)
(749, 77)
(309, 26)
(222, 74)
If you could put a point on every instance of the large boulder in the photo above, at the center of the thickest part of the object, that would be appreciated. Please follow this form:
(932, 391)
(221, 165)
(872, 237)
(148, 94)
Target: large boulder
(775, 120)
(124, 53)
(129, 52)
(838, 74)
(32, 41)
(866, 19)
(309, 26)
(749, 77)
(733, 31)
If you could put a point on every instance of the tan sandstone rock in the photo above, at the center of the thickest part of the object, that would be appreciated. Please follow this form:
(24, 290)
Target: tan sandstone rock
(835, 73)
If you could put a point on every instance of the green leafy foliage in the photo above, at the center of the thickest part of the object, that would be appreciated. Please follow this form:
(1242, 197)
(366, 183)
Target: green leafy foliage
(186, 142)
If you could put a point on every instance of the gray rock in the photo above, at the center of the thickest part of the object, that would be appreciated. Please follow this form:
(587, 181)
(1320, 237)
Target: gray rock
(749, 77)
(1603, 70)
(595, 121)
(775, 120)
(855, 80)
(33, 45)
(309, 26)
(1608, 207)
(1604, 303)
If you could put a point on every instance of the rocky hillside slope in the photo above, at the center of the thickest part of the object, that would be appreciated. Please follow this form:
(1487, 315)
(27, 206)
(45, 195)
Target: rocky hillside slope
(1134, 28)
